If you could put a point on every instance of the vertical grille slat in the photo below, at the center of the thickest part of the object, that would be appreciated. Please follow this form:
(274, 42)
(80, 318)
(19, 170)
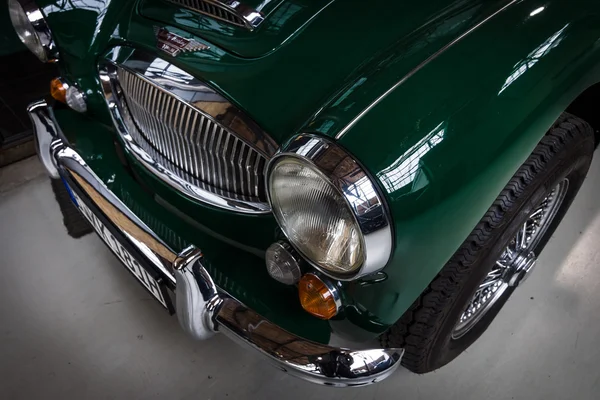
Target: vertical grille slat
(211, 154)
(145, 119)
(175, 137)
(193, 146)
(232, 162)
(223, 155)
(149, 113)
(204, 148)
(256, 168)
(165, 138)
(168, 138)
(218, 153)
(161, 107)
(149, 122)
(185, 133)
(247, 168)
(240, 165)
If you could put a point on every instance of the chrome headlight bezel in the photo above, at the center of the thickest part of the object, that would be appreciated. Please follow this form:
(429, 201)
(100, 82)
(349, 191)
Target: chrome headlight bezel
(48, 49)
(337, 165)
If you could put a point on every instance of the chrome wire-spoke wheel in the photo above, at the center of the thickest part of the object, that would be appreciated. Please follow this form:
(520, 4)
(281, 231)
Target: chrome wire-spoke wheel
(515, 263)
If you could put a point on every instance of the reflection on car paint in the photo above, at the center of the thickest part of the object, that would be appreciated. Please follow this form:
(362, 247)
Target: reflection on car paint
(533, 57)
(406, 169)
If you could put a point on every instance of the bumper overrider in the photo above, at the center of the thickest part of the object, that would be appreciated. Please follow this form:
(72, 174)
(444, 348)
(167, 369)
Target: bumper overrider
(201, 308)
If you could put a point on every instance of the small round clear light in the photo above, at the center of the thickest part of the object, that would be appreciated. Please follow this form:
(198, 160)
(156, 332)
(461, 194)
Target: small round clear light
(25, 30)
(315, 216)
(282, 264)
(76, 99)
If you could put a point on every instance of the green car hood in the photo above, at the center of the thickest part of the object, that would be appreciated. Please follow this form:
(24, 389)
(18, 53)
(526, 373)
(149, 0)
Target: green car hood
(287, 69)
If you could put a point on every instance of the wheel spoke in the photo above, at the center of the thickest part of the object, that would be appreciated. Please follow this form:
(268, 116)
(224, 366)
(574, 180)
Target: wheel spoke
(523, 241)
(493, 275)
(537, 212)
(487, 284)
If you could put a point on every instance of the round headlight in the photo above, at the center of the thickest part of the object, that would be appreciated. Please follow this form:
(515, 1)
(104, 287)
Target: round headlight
(315, 216)
(329, 209)
(32, 30)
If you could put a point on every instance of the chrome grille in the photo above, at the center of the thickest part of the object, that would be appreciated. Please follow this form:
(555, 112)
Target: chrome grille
(190, 144)
(232, 12)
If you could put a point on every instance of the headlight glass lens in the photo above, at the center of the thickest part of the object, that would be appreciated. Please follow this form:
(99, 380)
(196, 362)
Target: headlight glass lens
(25, 29)
(315, 216)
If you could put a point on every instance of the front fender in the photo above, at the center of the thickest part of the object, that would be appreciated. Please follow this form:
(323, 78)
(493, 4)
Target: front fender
(446, 140)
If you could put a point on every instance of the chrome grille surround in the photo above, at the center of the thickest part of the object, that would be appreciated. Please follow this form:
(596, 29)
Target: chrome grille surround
(185, 133)
(230, 11)
(176, 134)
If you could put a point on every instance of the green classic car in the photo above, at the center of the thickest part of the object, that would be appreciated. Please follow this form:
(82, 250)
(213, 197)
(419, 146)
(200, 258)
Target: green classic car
(343, 186)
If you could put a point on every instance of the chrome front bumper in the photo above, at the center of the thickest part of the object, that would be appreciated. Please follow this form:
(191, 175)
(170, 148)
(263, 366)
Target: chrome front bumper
(203, 309)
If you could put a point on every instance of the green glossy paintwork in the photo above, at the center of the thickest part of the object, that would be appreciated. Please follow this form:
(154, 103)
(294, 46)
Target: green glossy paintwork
(461, 91)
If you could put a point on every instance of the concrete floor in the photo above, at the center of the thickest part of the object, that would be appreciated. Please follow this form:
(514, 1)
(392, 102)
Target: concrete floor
(75, 324)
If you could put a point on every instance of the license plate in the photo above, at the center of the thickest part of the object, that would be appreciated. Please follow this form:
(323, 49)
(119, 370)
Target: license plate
(151, 284)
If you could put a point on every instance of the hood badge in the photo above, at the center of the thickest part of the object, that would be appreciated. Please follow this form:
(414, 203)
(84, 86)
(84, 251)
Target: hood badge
(173, 44)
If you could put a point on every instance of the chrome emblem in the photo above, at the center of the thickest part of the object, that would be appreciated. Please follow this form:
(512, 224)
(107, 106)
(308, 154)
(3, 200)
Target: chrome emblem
(173, 44)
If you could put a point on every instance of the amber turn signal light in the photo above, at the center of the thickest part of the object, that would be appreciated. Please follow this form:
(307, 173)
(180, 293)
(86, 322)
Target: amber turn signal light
(58, 90)
(318, 297)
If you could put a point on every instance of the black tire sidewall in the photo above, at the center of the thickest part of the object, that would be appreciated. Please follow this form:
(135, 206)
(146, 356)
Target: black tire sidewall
(572, 162)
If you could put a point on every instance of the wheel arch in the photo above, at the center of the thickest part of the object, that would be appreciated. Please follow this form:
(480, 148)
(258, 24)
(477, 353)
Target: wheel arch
(586, 105)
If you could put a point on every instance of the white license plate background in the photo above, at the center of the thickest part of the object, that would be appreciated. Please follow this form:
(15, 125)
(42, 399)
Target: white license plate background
(126, 258)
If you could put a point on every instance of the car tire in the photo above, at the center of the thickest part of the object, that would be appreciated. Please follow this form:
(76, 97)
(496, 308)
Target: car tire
(433, 331)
